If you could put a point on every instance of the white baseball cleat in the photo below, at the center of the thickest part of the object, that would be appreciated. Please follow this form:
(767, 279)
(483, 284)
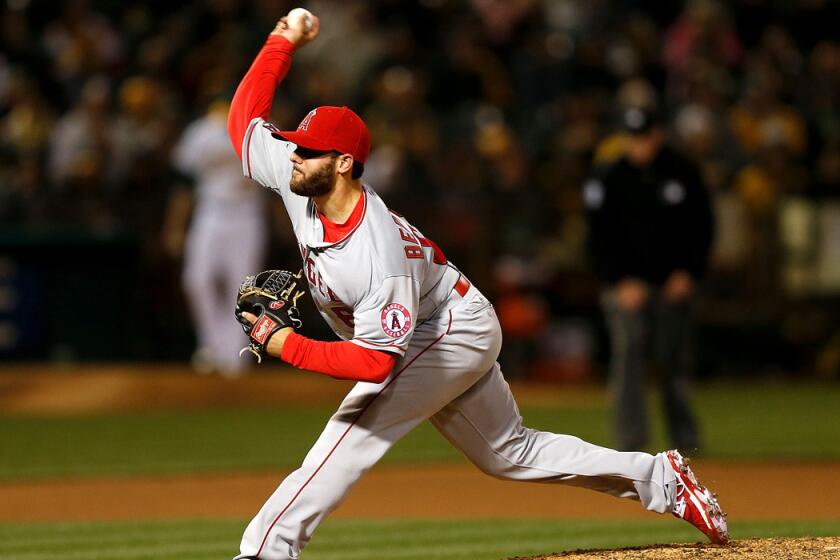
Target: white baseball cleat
(695, 503)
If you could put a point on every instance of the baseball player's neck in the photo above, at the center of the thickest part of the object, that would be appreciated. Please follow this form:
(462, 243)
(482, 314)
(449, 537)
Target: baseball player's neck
(338, 204)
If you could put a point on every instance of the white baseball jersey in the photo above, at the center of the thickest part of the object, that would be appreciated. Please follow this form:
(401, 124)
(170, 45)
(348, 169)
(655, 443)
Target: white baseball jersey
(375, 285)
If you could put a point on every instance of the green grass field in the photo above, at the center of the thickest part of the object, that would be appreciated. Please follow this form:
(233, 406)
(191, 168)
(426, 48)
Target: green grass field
(455, 539)
(772, 422)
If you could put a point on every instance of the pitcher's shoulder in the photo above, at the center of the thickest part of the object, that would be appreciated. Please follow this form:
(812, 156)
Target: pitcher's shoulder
(388, 234)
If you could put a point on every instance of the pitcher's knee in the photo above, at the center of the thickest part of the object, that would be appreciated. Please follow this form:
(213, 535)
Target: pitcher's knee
(507, 457)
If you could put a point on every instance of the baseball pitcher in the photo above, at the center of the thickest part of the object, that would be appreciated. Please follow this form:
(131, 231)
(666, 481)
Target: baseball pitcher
(420, 339)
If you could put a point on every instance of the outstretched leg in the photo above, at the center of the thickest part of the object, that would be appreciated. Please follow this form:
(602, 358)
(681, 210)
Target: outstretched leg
(485, 424)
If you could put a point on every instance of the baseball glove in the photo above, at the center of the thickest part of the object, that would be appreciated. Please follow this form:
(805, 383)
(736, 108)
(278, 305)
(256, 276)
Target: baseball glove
(272, 297)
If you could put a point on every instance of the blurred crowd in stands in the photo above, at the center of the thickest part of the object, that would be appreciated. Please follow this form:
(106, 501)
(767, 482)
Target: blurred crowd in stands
(487, 116)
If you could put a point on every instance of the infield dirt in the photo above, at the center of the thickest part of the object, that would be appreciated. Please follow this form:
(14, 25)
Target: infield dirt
(827, 548)
(416, 491)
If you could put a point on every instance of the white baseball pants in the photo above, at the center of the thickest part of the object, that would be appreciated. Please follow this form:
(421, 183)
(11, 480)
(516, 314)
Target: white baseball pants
(221, 250)
(449, 376)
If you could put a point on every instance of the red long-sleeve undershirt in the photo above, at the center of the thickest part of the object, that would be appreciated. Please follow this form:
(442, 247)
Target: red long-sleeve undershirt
(341, 360)
(253, 98)
(255, 94)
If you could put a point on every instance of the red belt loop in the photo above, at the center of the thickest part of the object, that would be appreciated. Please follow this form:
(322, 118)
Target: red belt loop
(462, 286)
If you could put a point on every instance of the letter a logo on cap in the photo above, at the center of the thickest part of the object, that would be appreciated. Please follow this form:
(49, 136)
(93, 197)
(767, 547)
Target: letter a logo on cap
(304, 124)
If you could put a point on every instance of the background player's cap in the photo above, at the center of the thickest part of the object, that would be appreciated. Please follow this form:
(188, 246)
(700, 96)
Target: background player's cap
(331, 128)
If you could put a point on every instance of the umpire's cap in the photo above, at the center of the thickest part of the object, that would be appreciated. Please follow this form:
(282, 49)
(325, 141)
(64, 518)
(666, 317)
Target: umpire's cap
(331, 128)
(639, 120)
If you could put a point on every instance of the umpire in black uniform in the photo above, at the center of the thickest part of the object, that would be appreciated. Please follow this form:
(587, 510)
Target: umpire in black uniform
(650, 230)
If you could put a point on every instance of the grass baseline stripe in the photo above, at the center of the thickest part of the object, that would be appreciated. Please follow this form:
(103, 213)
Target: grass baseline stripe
(58, 527)
(159, 551)
(499, 531)
(352, 530)
(501, 528)
(101, 540)
(418, 540)
(784, 422)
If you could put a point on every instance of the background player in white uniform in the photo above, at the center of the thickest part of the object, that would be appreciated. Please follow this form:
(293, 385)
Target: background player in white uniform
(420, 339)
(226, 238)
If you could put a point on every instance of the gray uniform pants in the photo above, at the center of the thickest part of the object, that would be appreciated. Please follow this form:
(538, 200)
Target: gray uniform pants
(662, 330)
(449, 376)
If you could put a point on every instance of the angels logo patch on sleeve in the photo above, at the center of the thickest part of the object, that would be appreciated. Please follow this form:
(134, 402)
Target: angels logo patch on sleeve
(396, 320)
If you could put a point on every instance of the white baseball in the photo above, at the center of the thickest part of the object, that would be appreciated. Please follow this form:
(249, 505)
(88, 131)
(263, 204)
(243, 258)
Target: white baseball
(300, 15)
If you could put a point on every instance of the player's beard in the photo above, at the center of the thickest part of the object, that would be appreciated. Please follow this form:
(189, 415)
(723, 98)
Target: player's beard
(317, 184)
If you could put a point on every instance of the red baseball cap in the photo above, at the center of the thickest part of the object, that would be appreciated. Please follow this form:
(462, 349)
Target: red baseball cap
(331, 128)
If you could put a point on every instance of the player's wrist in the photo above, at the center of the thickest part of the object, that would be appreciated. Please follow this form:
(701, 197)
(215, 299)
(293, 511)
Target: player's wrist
(280, 40)
(278, 341)
(283, 37)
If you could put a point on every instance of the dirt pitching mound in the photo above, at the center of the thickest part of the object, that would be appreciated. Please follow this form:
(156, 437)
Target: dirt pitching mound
(808, 548)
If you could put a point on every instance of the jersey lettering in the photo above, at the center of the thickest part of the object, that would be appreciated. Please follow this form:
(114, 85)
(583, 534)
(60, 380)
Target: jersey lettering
(404, 231)
(408, 237)
(410, 234)
(316, 281)
(314, 277)
(439, 257)
(311, 272)
(413, 252)
(344, 314)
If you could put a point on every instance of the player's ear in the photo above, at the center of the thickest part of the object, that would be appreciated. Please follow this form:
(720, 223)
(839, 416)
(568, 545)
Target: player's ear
(344, 163)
